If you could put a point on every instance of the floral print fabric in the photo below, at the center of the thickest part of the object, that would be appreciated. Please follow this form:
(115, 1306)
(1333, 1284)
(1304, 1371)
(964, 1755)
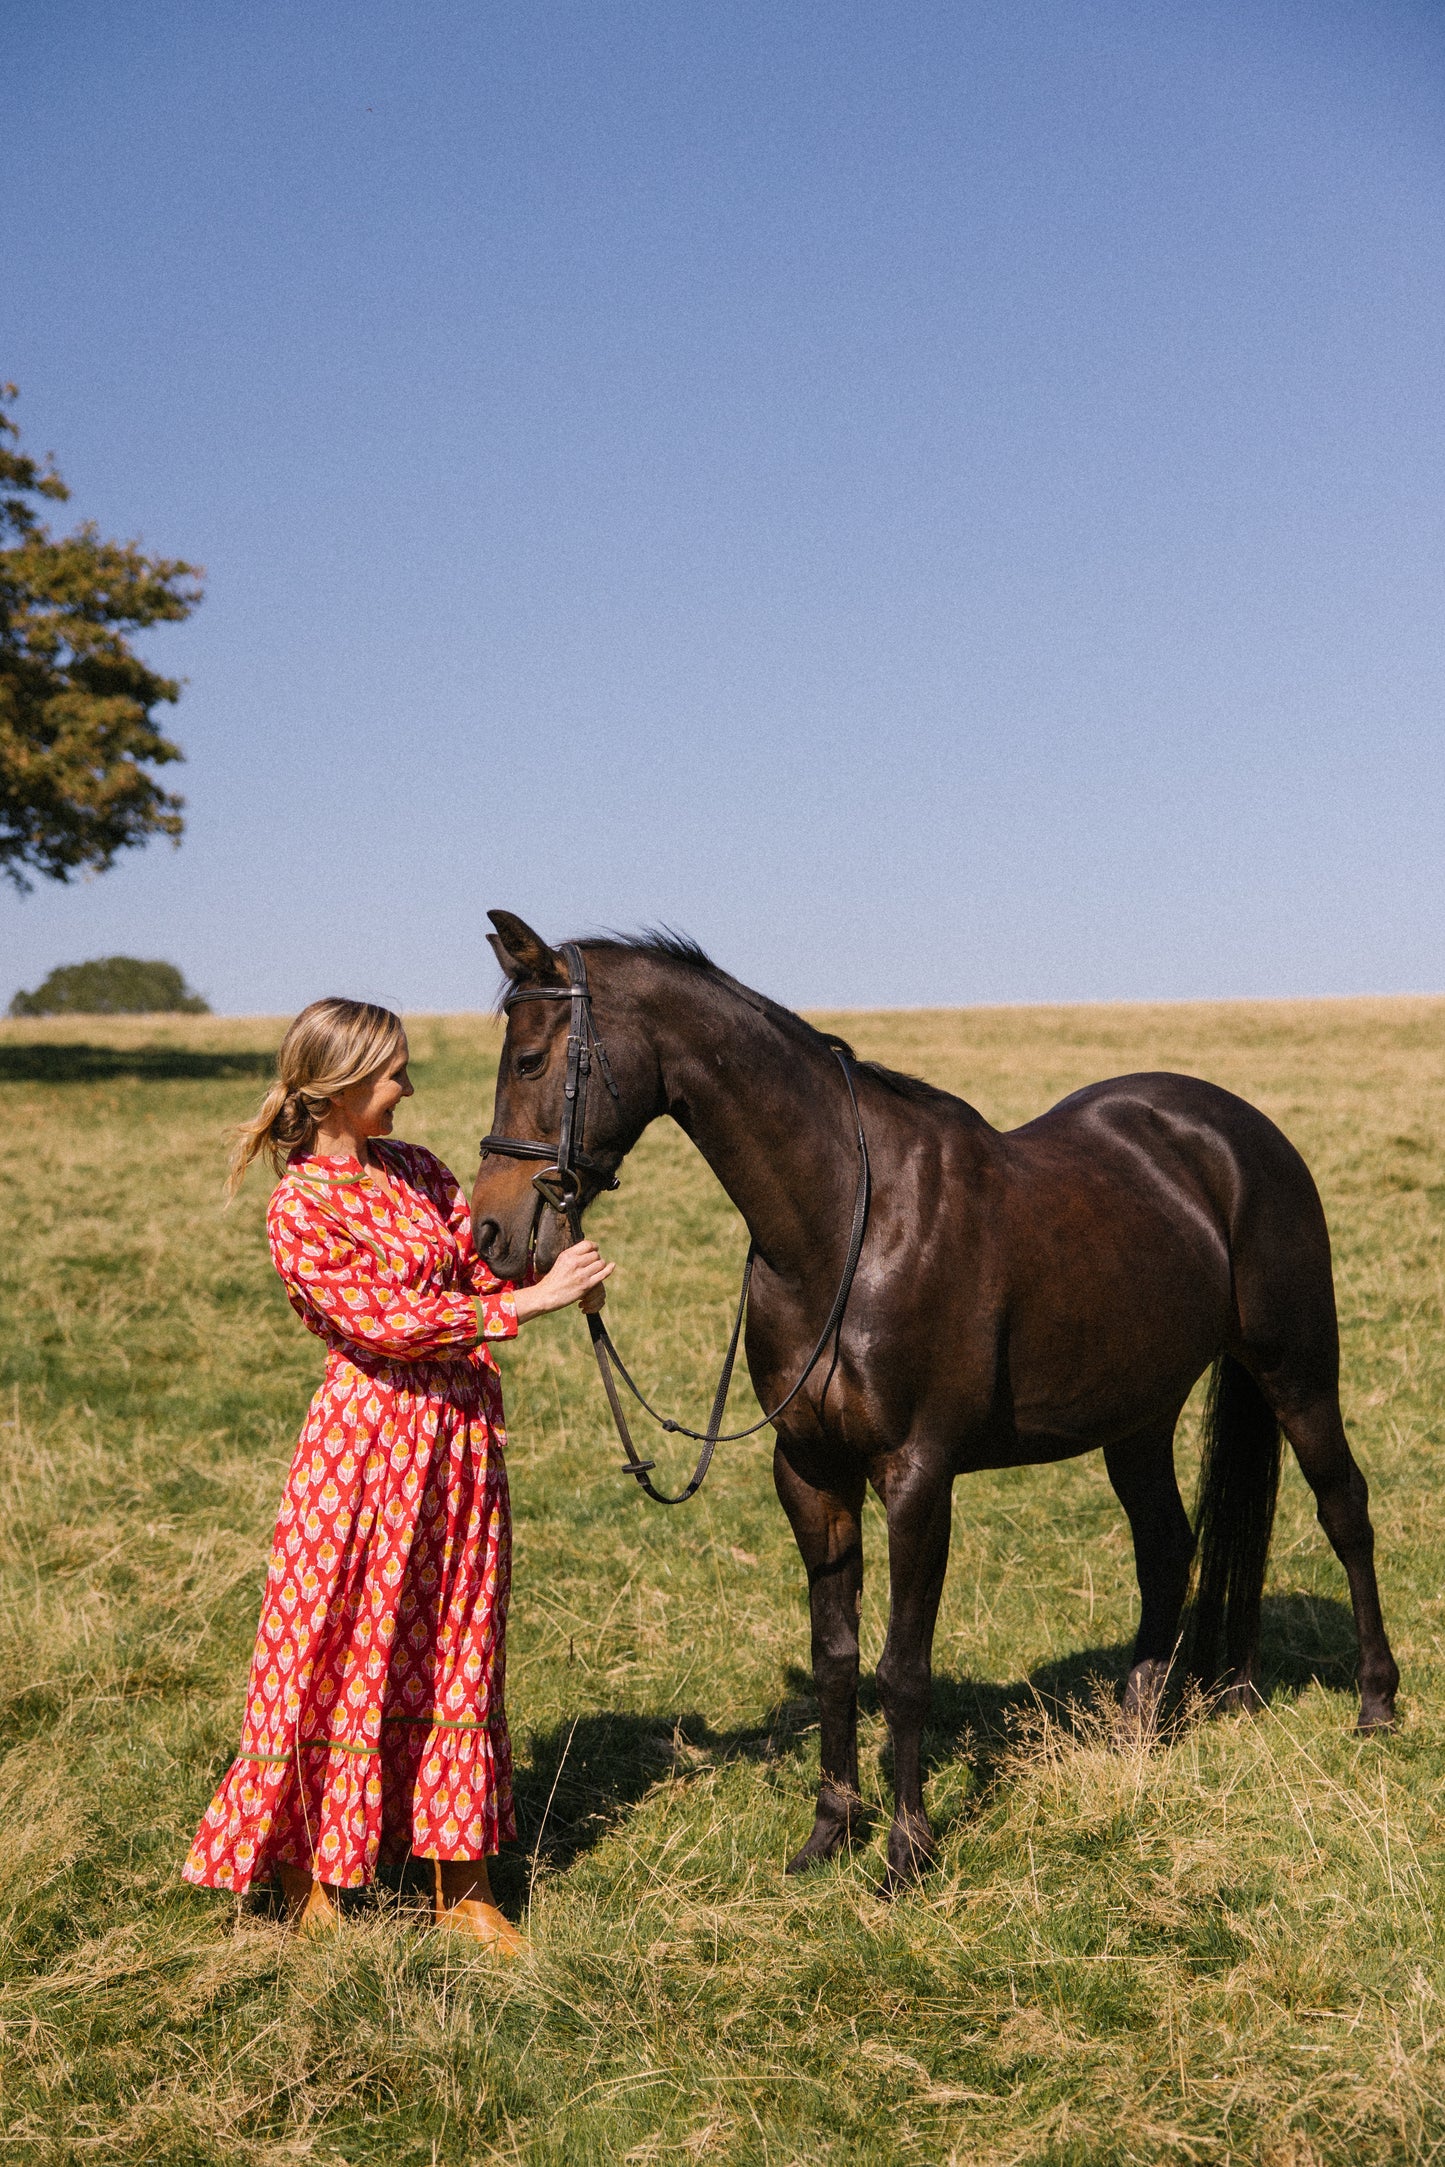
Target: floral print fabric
(374, 1721)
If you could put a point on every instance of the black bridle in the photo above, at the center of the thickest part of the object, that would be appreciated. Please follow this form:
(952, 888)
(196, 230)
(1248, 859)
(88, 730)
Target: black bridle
(561, 1187)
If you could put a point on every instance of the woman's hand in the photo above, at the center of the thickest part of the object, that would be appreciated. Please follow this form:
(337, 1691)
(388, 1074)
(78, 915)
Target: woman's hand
(576, 1272)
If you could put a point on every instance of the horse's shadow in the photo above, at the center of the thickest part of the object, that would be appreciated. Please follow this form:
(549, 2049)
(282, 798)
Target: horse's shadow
(581, 1777)
(1303, 1640)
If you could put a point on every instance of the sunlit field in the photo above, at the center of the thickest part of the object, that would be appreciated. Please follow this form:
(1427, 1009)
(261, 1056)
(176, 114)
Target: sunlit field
(1222, 1947)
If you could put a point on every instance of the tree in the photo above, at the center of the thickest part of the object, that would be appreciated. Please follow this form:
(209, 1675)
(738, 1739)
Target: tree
(78, 744)
(112, 986)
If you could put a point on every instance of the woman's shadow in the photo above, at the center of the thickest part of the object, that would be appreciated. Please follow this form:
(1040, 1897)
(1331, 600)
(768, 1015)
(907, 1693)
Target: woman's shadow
(579, 1779)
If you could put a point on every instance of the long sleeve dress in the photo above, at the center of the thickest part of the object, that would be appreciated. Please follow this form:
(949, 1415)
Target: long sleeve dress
(374, 1721)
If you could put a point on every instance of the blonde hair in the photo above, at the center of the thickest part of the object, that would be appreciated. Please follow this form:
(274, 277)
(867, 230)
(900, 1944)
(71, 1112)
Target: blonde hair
(331, 1045)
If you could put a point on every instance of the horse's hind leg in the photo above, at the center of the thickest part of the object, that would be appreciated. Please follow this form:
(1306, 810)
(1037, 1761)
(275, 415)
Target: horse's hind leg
(827, 1523)
(1142, 1471)
(1316, 1430)
(1288, 1339)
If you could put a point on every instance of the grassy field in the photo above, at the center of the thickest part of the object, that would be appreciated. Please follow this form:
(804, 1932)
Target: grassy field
(1226, 1947)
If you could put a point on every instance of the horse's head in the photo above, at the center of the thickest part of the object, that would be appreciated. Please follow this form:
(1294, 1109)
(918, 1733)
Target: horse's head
(515, 1195)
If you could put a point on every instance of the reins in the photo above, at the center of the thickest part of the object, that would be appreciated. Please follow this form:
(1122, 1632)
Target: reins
(559, 1187)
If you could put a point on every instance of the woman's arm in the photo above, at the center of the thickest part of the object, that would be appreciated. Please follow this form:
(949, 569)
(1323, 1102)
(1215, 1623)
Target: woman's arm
(332, 1277)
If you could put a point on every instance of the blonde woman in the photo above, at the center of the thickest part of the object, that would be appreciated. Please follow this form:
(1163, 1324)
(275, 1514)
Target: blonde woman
(374, 1723)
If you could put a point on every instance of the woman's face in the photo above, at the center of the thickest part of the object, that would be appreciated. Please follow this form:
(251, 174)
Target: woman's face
(366, 1109)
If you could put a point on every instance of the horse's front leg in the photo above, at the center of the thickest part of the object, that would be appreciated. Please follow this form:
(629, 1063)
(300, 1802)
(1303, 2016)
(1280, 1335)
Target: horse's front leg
(917, 1493)
(825, 1509)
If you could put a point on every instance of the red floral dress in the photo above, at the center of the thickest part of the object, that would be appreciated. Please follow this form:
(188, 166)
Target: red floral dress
(374, 1720)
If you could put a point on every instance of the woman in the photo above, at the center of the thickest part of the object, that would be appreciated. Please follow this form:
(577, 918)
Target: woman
(374, 1722)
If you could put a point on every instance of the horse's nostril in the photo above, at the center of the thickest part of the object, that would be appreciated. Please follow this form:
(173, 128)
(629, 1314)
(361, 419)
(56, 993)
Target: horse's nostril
(485, 1236)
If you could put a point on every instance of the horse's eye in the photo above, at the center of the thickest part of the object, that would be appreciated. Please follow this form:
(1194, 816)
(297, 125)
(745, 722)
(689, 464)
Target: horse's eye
(529, 1064)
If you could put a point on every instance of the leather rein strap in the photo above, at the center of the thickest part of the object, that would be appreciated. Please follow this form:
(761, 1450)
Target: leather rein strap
(609, 1359)
(560, 1188)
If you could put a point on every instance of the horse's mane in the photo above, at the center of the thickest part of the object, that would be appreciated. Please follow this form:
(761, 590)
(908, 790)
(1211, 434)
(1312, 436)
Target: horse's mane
(670, 946)
(906, 1087)
(664, 941)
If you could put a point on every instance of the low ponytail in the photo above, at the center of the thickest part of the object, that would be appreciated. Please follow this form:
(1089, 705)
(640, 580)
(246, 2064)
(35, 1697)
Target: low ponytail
(331, 1045)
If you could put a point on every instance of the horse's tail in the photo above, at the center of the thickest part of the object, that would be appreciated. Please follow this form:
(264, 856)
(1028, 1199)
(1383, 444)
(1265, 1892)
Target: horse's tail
(1234, 1518)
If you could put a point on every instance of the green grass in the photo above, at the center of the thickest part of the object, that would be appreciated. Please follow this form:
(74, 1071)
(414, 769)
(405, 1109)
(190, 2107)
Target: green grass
(1224, 1947)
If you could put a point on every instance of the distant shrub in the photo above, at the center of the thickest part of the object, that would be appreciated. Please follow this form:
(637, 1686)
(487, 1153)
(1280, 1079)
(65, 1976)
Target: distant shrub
(112, 986)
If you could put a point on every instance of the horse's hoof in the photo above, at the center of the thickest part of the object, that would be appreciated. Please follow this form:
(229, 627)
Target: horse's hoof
(1377, 1699)
(1143, 1699)
(910, 1856)
(826, 1841)
(902, 1880)
(840, 1813)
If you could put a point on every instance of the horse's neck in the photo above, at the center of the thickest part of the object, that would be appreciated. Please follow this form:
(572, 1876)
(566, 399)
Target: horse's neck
(769, 1111)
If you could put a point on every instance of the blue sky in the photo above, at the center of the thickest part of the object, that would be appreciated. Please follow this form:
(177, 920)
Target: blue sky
(943, 502)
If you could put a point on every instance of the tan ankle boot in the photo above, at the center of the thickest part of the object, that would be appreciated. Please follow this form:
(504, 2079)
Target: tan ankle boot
(466, 1907)
(308, 1902)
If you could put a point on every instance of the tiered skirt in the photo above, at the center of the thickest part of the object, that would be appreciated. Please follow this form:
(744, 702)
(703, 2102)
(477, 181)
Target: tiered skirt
(375, 1723)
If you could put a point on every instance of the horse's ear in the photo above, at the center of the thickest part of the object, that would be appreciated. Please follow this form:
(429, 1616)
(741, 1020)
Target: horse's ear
(523, 954)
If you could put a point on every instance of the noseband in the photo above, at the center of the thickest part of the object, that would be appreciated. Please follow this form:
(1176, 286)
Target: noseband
(560, 1187)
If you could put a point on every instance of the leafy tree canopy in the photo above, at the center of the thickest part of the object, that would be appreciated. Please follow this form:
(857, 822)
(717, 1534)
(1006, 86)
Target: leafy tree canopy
(111, 986)
(78, 744)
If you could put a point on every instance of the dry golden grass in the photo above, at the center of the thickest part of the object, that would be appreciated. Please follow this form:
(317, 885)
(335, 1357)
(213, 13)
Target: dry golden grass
(1223, 1947)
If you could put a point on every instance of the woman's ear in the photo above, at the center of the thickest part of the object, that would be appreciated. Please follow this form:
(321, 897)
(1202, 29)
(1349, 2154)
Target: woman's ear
(523, 954)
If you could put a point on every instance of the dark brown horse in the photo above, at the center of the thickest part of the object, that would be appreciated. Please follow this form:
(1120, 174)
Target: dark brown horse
(1020, 1298)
